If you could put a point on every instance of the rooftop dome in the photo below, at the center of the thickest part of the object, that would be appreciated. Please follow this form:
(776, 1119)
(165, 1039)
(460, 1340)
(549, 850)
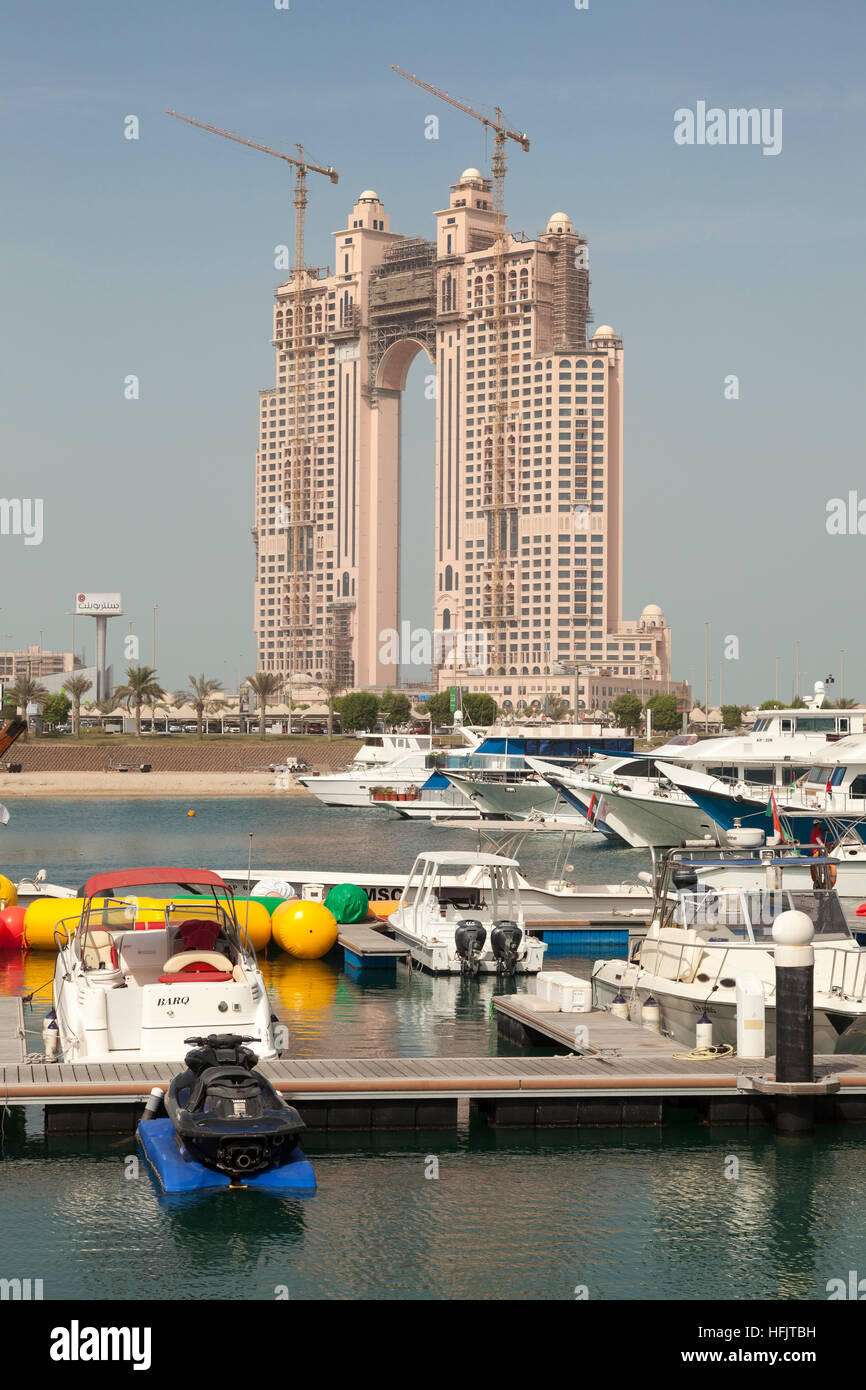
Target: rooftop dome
(368, 196)
(604, 331)
(560, 222)
(469, 174)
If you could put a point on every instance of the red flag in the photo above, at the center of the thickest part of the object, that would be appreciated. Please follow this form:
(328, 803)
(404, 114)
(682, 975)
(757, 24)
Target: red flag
(591, 804)
(827, 788)
(777, 824)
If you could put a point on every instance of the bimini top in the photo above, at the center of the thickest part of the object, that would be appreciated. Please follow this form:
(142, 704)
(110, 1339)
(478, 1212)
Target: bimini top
(466, 859)
(133, 878)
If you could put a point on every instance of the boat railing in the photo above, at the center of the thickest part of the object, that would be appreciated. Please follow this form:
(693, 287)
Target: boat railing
(847, 975)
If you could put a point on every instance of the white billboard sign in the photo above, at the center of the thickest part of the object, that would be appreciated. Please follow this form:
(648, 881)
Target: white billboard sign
(97, 605)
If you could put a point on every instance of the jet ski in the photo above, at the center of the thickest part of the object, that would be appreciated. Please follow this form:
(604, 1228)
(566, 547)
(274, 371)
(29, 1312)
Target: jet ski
(226, 1114)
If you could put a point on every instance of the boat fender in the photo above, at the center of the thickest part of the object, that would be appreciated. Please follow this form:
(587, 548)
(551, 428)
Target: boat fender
(154, 1103)
(619, 1008)
(704, 1031)
(652, 1018)
(51, 1036)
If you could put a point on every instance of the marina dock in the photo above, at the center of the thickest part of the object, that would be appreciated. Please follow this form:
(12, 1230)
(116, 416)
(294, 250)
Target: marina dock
(624, 1076)
(13, 1042)
(367, 948)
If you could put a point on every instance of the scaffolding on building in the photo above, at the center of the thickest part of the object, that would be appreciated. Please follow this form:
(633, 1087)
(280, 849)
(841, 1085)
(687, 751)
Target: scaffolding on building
(402, 300)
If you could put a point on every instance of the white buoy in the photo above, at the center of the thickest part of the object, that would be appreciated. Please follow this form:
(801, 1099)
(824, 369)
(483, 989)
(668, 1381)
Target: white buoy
(619, 1008)
(154, 1101)
(652, 1015)
(704, 1032)
(51, 1037)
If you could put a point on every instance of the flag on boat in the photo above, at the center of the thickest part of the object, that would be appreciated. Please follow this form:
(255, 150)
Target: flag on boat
(4, 816)
(590, 807)
(828, 788)
(600, 811)
(773, 810)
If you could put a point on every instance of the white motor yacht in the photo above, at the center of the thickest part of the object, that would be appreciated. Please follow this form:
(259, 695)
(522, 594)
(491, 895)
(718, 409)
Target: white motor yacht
(399, 762)
(132, 982)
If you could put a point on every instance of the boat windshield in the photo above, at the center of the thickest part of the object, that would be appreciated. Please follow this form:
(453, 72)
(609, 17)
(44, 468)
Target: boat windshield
(749, 914)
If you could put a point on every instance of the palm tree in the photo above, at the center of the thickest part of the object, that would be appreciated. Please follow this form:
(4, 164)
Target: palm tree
(557, 709)
(23, 692)
(141, 685)
(264, 685)
(201, 695)
(77, 686)
(332, 689)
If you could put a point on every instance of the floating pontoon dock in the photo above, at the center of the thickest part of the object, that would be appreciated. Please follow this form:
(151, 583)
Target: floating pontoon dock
(626, 1076)
(368, 948)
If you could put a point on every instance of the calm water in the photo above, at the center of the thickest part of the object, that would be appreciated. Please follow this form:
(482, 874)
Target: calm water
(635, 1213)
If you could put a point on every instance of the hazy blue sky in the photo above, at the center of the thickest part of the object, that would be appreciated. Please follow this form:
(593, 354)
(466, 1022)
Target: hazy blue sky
(155, 257)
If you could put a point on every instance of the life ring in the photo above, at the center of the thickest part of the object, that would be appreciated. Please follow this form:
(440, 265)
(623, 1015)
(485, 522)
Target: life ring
(823, 875)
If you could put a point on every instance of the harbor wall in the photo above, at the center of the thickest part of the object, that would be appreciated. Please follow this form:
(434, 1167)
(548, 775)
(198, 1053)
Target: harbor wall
(166, 756)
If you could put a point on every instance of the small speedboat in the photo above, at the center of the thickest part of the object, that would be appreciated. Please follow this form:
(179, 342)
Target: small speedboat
(704, 938)
(135, 975)
(454, 928)
(226, 1124)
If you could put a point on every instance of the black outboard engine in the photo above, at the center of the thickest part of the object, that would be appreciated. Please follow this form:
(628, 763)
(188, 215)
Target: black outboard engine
(469, 939)
(505, 939)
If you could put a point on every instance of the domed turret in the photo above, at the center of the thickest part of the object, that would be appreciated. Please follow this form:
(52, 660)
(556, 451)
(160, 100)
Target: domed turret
(471, 175)
(560, 222)
(368, 196)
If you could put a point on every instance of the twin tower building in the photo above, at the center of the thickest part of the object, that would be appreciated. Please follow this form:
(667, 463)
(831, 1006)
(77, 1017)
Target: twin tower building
(327, 591)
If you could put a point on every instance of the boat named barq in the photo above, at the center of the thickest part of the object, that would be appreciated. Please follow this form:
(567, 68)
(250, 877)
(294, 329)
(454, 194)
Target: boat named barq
(133, 981)
(452, 928)
(703, 939)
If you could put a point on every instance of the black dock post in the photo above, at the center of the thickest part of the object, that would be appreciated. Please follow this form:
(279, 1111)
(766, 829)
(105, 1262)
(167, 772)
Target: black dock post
(795, 1020)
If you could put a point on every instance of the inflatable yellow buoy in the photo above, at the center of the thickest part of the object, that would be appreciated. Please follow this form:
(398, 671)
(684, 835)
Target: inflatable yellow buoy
(44, 916)
(304, 929)
(254, 920)
(190, 813)
(8, 891)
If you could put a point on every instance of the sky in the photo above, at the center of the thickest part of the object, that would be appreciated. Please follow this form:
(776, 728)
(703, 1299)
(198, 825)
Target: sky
(154, 258)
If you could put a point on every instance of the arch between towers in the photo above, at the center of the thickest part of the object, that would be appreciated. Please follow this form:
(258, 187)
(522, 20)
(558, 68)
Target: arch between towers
(381, 520)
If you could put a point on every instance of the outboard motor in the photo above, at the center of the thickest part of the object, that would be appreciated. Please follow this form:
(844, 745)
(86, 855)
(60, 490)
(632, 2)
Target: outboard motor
(469, 939)
(505, 939)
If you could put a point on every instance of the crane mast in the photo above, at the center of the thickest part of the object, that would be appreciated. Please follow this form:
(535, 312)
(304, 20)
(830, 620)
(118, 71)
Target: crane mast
(300, 497)
(495, 500)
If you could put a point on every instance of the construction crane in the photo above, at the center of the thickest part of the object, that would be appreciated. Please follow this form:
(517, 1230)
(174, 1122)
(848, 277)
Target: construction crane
(497, 507)
(301, 492)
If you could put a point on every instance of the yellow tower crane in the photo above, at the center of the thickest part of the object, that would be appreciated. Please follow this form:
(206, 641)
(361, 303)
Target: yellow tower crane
(300, 495)
(494, 487)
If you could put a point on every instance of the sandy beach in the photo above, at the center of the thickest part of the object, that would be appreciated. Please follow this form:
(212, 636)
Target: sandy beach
(146, 784)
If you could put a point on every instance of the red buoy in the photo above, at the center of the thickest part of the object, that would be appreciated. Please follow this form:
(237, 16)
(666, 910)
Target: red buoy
(11, 928)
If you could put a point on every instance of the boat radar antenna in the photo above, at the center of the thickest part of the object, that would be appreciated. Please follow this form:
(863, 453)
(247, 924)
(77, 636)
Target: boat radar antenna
(816, 700)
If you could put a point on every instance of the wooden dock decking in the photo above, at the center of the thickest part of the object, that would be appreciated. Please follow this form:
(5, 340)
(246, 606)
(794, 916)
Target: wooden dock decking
(623, 1075)
(368, 946)
(13, 1040)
